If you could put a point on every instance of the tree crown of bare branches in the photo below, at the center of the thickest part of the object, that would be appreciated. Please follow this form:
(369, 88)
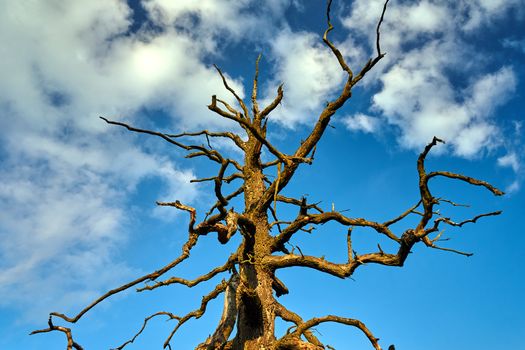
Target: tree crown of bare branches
(251, 291)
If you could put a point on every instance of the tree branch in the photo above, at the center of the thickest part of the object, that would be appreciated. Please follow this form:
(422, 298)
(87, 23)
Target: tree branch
(332, 47)
(299, 203)
(402, 216)
(220, 288)
(291, 316)
(251, 129)
(144, 324)
(190, 243)
(255, 105)
(239, 100)
(67, 331)
(228, 318)
(229, 264)
(268, 109)
(347, 321)
(229, 135)
(323, 121)
(466, 179)
(226, 179)
(322, 218)
(200, 150)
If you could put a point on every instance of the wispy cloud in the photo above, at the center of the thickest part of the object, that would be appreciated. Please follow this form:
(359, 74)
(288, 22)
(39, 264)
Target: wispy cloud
(515, 44)
(433, 82)
(63, 190)
(362, 122)
(510, 160)
(309, 72)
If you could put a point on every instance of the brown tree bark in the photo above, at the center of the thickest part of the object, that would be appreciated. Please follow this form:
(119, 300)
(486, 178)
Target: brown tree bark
(251, 292)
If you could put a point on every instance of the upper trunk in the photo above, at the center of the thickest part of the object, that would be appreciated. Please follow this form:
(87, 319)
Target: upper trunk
(256, 315)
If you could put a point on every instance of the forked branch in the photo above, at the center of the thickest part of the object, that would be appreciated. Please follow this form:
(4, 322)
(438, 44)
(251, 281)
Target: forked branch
(309, 144)
(71, 344)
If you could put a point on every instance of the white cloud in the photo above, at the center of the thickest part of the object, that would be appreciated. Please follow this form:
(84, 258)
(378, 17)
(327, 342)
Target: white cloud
(205, 18)
(491, 91)
(309, 72)
(51, 216)
(513, 187)
(418, 94)
(480, 12)
(417, 97)
(62, 217)
(82, 58)
(361, 122)
(177, 188)
(510, 160)
(63, 190)
(472, 139)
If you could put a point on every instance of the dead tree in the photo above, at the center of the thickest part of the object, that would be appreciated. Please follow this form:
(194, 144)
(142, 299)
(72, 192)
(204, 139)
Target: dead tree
(251, 289)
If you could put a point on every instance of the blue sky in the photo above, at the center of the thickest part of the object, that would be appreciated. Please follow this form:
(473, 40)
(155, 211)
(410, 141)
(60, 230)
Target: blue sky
(77, 213)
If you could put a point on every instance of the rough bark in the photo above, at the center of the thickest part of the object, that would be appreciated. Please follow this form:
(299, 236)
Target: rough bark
(251, 291)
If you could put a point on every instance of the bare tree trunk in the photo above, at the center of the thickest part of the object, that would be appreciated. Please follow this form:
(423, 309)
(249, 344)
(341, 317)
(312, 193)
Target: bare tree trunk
(249, 302)
(256, 313)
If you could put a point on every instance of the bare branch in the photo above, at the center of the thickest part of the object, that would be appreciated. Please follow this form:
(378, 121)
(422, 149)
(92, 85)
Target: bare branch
(190, 243)
(459, 224)
(229, 264)
(322, 218)
(218, 189)
(144, 324)
(220, 288)
(150, 132)
(239, 100)
(452, 203)
(180, 206)
(228, 198)
(467, 179)
(347, 321)
(402, 216)
(291, 316)
(450, 250)
(213, 224)
(297, 202)
(332, 47)
(255, 105)
(200, 151)
(378, 33)
(67, 331)
(228, 318)
(252, 130)
(268, 109)
(372, 62)
(229, 135)
(324, 118)
(226, 179)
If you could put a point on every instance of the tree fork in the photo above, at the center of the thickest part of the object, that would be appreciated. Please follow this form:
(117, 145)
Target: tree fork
(249, 301)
